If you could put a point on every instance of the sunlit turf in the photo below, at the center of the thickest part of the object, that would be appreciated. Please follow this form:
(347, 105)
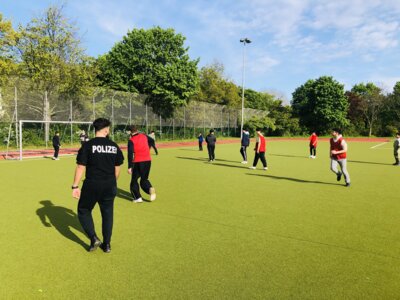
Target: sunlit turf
(216, 231)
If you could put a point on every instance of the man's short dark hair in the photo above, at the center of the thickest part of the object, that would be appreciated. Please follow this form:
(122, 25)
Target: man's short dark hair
(337, 130)
(133, 128)
(100, 124)
(258, 129)
(211, 130)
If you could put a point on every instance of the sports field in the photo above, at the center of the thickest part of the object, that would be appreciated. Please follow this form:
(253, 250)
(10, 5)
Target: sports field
(216, 231)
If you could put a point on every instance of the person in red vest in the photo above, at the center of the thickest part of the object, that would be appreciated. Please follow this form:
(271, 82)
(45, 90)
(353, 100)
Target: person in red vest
(313, 145)
(260, 150)
(139, 160)
(338, 154)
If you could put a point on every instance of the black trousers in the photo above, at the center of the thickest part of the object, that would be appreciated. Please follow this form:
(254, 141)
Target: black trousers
(56, 149)
(140, 170)
(102, 192)
(211, 152)
(313, 150)
(201, 146)
(243, 151)
(261, 156)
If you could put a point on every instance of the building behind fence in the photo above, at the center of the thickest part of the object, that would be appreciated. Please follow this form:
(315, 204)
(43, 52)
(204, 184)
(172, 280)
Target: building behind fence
(123, 109)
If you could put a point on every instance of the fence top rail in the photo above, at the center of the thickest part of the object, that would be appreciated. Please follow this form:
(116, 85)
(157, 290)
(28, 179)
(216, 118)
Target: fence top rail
(54, 122)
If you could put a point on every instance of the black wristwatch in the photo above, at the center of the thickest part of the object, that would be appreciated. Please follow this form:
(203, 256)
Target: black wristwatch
(75, 187)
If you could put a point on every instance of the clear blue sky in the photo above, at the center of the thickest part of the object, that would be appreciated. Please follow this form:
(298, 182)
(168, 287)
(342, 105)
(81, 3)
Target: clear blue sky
(293, 40)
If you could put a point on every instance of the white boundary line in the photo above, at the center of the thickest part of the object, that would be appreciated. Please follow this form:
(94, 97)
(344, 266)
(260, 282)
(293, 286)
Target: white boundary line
(376, 146)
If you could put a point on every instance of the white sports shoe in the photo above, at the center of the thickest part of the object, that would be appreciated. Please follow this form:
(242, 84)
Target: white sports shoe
(139, 200)
(266, 168)
(253, 168)
(152, 194)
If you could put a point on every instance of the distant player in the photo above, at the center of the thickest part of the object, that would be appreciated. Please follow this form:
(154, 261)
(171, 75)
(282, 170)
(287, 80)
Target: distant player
(260, 149)
(211, 140)
(56, 145)
(200, 138)
(396, 147)
(313, 145)
(139, 159)
(153, 144)
(245, 142)
(83, 137)
(338, 155)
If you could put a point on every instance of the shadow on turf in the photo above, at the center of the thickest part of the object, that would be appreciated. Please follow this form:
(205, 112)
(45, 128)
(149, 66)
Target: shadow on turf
(287, 155)
(62, 219)
(127, 195)
(293, 179)
(206, 159)
(368, 162)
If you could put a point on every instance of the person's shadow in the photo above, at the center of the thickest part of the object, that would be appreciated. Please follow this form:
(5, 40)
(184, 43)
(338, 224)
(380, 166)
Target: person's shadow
(62, 219)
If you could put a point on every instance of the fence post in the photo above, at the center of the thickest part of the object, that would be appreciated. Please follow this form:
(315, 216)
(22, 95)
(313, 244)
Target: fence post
(70, 117)
(16, 114)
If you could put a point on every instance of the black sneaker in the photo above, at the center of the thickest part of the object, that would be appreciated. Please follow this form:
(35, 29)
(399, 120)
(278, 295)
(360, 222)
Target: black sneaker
(347, 184)
(106, 248)
(339, 176)
(94, 244)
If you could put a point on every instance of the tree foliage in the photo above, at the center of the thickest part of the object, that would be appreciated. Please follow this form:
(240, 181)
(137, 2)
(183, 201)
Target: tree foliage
(152, 62)
(215, 88)
(51, 55)
(370, 103)
(321, 104)
(8, 40)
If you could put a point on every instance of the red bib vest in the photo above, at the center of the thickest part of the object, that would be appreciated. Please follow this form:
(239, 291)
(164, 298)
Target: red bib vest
(262, 142)
(141, 149)
(338, 147)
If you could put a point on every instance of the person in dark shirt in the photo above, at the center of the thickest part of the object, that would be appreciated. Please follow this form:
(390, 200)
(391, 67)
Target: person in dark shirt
(211, 140)
(101, 158)
(139, 164)
(201, 139)
(56, 145)
(245, 142)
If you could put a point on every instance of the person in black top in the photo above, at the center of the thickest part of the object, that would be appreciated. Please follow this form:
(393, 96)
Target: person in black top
(56, 145)
(244, 144)
(101, 159)
(211, 140)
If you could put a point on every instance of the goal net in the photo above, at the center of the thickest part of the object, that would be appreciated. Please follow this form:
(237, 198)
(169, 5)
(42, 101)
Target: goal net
(35, 138)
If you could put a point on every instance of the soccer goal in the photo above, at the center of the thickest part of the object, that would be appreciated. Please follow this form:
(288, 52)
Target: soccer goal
(35, 137)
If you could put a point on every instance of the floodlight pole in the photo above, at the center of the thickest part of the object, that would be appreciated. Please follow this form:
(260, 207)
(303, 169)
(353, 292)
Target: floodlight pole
(244, 41)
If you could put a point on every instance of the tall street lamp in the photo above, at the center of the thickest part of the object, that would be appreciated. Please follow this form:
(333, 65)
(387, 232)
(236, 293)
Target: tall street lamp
(244, 41)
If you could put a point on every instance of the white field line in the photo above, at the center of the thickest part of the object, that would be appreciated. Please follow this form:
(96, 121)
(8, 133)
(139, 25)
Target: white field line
(376, 146)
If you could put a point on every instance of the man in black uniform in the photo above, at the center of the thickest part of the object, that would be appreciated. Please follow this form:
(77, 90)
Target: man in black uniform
(211, 140)
(56, 145)
(101, 159)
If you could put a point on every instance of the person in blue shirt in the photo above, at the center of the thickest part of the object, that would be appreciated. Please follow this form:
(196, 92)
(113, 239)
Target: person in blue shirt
(201, 139)
(244, 144)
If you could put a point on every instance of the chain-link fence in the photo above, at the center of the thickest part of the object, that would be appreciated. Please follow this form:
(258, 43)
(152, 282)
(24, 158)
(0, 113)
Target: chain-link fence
(123, 109)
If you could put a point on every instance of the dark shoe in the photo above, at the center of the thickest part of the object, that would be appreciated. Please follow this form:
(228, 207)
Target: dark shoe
(339, 176)
(106, 248)
(94, 244)
(396, 164)
(348, 184)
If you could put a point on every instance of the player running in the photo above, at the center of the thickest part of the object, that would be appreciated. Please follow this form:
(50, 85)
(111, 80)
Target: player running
(245, 142)
(139, 160)
(338, 155)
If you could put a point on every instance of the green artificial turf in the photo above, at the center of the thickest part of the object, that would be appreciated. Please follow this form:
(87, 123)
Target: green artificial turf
(216, 231)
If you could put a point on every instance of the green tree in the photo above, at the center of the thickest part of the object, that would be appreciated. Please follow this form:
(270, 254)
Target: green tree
(215, 88)
(389, 117)
(52, 56)
(321, 104)
(371, 104)
(258, 100)
(8, 40)
(153, 62)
